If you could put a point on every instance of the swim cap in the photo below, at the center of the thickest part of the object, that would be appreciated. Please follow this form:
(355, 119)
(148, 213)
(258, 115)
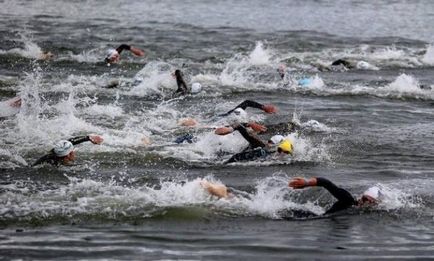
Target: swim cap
(276, 139)
(63, 148)
(110, 53)
(196, 87)
(240, 112)
(285, 146)
(304, 82)
(373, 192)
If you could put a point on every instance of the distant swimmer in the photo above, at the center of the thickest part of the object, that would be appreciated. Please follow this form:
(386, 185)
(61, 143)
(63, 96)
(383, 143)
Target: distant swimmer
(63, 152)
(283, 71)
(345, 200)
(276, 145)
(182, 86)
(45, 56)
(114, 55)
(347, 64)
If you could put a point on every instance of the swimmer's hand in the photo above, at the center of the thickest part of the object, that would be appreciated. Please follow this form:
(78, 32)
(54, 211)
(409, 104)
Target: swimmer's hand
(257, 127)
(95, 139)
(223, 130)
(269, 108)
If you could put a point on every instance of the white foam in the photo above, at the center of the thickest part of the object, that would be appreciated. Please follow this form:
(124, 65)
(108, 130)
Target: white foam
(154, 78)
(428, 58)
(260, 55)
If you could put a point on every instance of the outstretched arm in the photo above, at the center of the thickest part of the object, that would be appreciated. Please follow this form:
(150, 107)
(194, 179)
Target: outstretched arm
(95, 139)
(251, 139)
(345, 199)
(248, 103)
(130, 48)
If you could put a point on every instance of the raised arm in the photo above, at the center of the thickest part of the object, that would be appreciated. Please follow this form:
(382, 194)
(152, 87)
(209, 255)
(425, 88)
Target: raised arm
(345, 199)
(248, 103)
(251, 139)
(95, 139)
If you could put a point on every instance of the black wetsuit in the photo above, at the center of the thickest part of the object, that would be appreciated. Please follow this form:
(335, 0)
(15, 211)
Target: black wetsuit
(182, 86)
(51, 157)
(123, 47)
(244, 105)
(345, 199)
(257, 148)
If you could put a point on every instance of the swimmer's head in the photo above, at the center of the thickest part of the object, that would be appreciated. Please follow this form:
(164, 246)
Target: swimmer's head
(196, 87)
(112, 56)
(65, 150)
(238, 116)
(285, 146)
(371, 196)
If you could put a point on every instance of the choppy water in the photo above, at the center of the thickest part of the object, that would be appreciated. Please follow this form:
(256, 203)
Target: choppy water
(126, 200)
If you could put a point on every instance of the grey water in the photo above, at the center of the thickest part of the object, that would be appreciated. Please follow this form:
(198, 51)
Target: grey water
(127, 200)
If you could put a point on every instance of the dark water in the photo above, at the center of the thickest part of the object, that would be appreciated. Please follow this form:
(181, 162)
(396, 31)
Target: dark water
(370, 125)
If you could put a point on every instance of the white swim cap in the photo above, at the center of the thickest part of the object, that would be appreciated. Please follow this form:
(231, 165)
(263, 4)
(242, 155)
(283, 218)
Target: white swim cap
(276, 139)
(240, 112)
(63, 148)
(196, 87)
(373, 192)
(238, 116)
(110, 53)
(363, 65)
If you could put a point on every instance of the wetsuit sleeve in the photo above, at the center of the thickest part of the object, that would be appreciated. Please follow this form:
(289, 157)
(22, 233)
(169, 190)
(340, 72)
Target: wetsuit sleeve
(345, 199)
(49, 158)
(244, 105)
(253, 141)
(79, 139)
(123, 47)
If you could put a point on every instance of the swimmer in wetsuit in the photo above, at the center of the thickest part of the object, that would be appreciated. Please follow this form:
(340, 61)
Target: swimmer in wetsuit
(257, 148)
(182, 86)
(344, 198)
(114, 55)
(63, 152)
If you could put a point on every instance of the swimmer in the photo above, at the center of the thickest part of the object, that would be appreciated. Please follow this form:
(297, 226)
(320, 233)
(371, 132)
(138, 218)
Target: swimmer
(370, 197)
(182, 86)
(114, 55)
(15, 102)
(304, 81)
(276, 145)
(45, 56)
(63, 152)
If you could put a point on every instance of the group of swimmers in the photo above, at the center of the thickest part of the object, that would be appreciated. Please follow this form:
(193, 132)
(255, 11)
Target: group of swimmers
(277, 146)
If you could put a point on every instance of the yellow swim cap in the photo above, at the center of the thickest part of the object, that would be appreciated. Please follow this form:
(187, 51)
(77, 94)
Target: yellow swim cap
(285, 146)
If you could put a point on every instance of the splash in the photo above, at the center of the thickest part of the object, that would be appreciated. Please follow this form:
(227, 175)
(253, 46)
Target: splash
(30, 50)
(428, 58)
(153, 79)
(260, 55)
(404, 84)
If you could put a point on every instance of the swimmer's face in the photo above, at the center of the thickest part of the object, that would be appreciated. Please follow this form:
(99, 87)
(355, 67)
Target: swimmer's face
(69, 158)
(114, 58)
(365, 201)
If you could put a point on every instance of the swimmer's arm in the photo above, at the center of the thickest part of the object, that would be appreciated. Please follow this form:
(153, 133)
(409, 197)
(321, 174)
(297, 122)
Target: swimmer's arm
(343, 196)
(252, 140)
(252, 104)
(95, 139)
(48, 158)
(123, 47)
